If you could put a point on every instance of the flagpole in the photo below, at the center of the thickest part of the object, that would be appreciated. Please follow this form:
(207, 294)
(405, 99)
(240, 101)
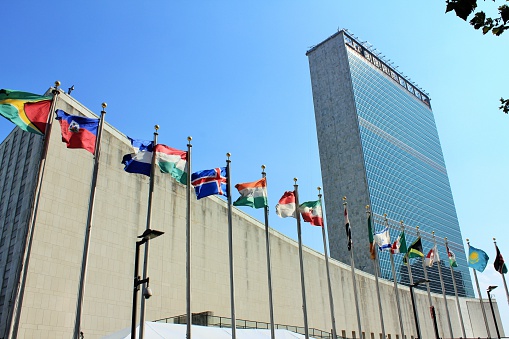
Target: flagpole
(425, 270)
(352, 266)
(269, 274)
(149, 221)
(13, 324)
(86, 248)
(456, 292)
(480, 296)
(331, 300)
(416, 315)
(396, 284)
(375, 267)
(502, 274)
(407, 261)
(189, 315)
(230, 245)
(303, 286)
(505, 285)
(442, 284)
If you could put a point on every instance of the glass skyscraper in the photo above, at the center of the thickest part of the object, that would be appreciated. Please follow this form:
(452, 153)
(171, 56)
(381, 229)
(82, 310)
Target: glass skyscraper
(379, 146)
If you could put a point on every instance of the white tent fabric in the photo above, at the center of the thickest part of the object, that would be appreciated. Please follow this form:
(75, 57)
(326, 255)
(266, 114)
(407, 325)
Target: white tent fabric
(155, 330)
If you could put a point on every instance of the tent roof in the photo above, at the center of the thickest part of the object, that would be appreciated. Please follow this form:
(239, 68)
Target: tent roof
(157, 330)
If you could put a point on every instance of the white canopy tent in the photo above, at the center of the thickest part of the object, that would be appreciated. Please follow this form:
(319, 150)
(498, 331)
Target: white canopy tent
(156, 330)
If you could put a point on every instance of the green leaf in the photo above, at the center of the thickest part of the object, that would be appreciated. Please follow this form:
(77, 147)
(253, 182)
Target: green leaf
(486, 29)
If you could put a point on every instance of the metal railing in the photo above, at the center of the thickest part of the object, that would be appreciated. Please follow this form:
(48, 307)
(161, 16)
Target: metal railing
(207, 319)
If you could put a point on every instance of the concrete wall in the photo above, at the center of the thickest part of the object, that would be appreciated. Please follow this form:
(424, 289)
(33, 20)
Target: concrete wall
(50, 298)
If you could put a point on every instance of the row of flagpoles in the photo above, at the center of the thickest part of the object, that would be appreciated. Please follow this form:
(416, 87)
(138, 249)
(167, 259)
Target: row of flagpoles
(82, 132)
(477, 260)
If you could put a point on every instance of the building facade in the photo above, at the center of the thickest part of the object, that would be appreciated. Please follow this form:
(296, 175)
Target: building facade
(48, 309)
(20, 154)
(379, 146)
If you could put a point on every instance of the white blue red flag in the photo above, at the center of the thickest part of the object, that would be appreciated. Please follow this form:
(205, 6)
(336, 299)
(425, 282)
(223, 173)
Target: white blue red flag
(78, 131)
(141, 160)
(209, 182)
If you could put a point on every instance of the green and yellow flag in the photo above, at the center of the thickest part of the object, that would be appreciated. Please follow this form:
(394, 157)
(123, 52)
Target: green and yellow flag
(26, 110)
(415, 250)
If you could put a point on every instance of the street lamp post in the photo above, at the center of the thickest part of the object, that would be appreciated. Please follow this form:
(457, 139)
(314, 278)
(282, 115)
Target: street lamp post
(491, 288)
(147, 293)
(413, 305)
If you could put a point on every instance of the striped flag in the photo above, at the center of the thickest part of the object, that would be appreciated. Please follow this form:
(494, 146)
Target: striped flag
(172, 161)
(452, 258)
(140, 161)
(252, 194)
(311, 212)
(383, 239)
(286, 206)
(432, 257)
(78, 131)
(399, 246)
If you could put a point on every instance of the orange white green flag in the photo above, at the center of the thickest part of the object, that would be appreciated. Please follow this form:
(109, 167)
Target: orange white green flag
(26, 110)
(252, 194)
(311, 212)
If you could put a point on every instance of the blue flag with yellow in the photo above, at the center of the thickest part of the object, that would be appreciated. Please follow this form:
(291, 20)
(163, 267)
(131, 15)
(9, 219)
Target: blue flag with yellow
(477, 259)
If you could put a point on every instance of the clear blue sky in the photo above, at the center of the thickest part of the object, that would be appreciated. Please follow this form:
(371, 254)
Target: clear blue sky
(234, 76)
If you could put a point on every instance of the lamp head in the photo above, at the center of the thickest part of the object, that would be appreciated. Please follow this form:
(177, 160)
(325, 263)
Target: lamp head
(150, 234)
(491, 288)
(420, 281)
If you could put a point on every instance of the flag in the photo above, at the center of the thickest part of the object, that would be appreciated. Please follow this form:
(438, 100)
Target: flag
(172, 161)
(311, 212)
(477, 259)
(499, 262)
(383, 239)
(141, 160)
(428, 260)
(209, 182)
(78, 131)
(26, 110)
(452, 258)
(252, 194)
(432, 257)
(371, 238)
(348, 229)
(415, 250)
(286, 206)
(399, 246)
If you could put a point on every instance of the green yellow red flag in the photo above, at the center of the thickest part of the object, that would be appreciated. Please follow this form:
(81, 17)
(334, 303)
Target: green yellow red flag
(27, 110)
